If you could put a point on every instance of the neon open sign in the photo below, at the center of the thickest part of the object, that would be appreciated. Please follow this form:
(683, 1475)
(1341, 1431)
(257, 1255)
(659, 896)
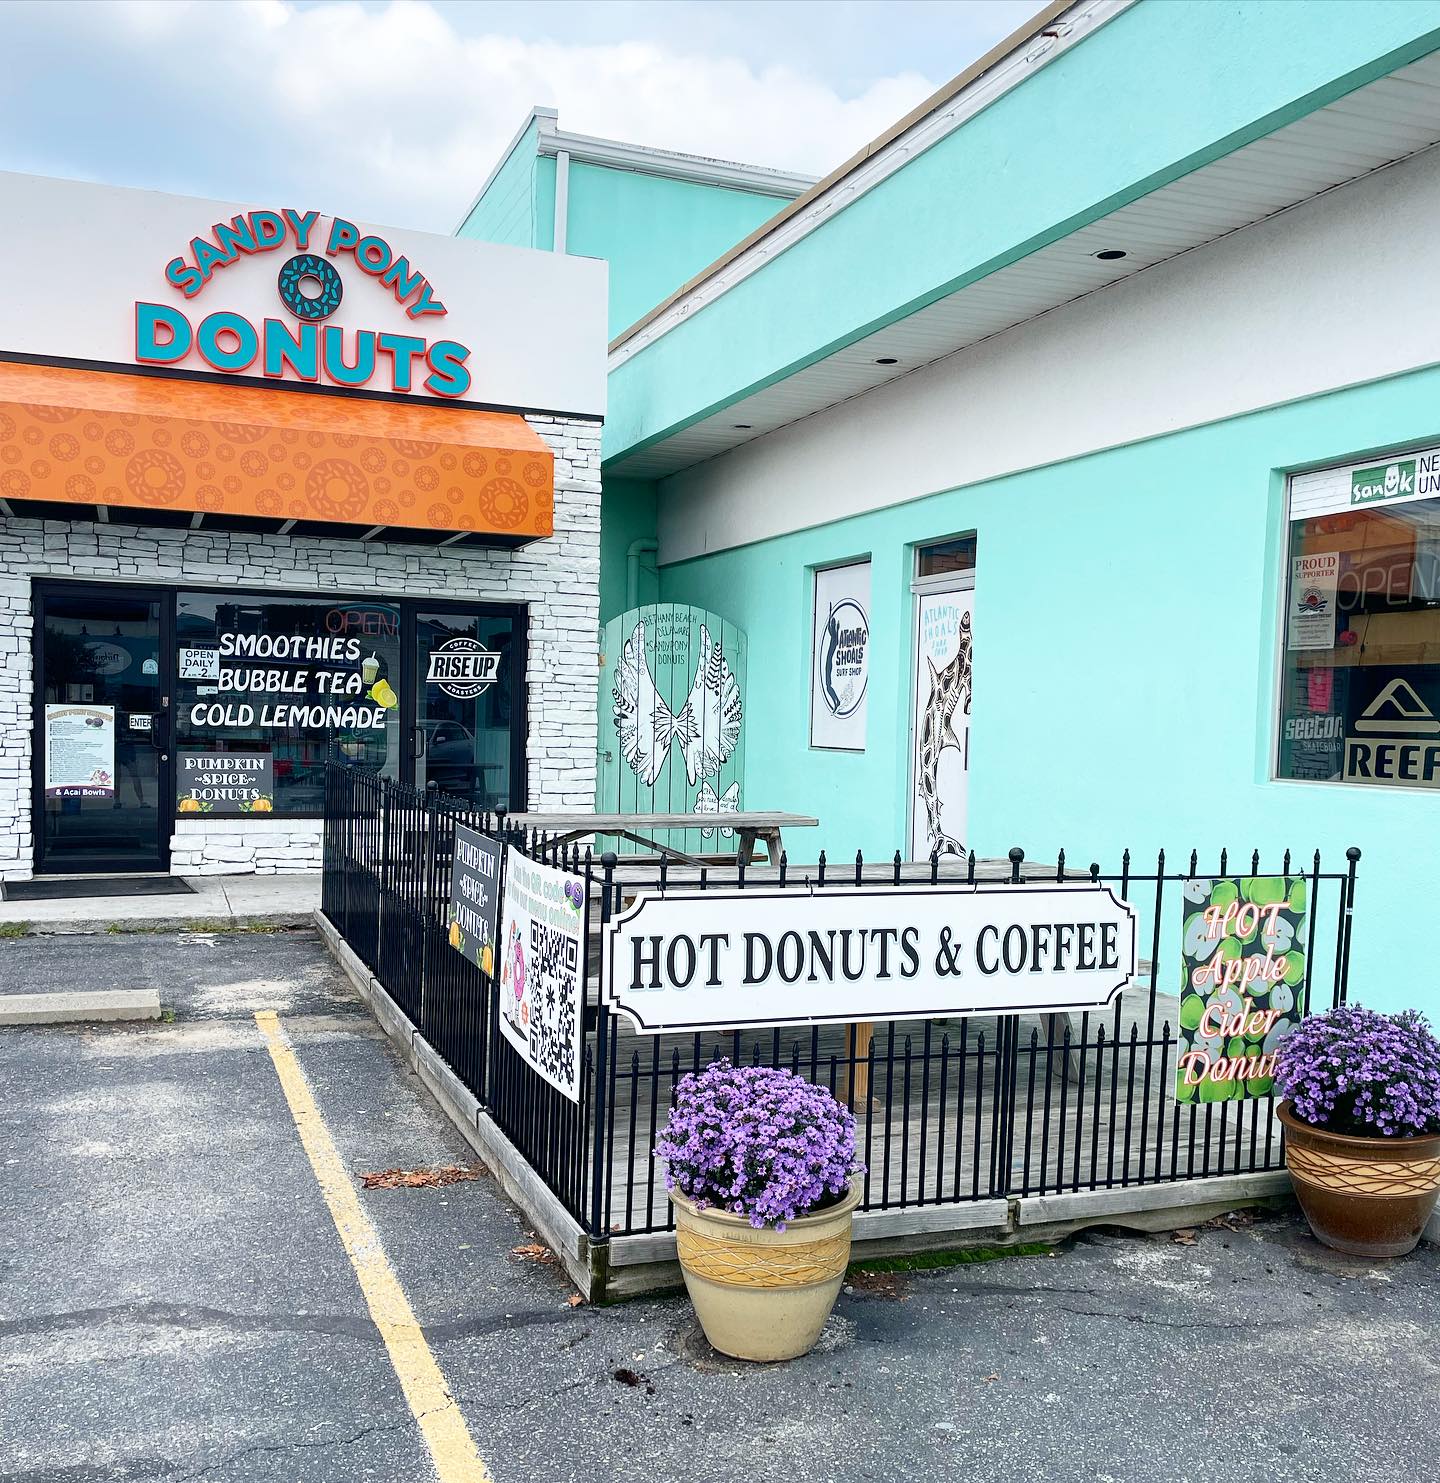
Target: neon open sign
(310, 289)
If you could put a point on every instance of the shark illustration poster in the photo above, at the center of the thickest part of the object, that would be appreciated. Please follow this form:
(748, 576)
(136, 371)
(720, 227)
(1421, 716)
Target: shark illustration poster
(672, 720)
(940, 725)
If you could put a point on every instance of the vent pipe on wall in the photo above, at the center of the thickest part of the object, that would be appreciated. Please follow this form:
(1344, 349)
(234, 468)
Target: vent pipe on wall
(645, 546)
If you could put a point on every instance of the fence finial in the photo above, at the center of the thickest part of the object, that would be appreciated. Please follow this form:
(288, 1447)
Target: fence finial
(1017, 858)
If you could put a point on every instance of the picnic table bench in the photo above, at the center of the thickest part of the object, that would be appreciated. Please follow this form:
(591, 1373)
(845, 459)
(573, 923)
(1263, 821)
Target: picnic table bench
(749, 827)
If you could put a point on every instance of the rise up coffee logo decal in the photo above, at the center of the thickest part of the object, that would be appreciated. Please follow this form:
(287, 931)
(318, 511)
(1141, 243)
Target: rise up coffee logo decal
(462, 667)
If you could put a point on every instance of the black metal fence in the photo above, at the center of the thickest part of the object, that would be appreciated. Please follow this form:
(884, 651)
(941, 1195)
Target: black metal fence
(967, 1109)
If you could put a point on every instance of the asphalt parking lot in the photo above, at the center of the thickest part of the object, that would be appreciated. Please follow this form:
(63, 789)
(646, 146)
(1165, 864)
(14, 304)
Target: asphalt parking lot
(176, 1301)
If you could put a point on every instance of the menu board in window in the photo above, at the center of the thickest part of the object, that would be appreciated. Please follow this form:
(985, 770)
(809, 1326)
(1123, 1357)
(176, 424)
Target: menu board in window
(288, 679)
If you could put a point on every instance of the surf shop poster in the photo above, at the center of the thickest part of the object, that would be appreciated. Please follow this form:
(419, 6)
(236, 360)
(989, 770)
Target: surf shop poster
(1242, 986)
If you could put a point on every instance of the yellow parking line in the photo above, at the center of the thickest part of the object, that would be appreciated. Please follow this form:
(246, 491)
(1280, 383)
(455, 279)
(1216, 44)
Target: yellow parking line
(435, 1410)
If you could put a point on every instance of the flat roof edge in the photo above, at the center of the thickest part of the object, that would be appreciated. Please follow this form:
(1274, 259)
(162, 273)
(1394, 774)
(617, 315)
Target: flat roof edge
(1018, 38)
(675, 165)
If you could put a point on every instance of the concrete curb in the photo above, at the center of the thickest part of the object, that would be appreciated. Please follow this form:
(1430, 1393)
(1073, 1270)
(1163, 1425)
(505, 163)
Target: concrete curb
(212, 922)
(79, 1007)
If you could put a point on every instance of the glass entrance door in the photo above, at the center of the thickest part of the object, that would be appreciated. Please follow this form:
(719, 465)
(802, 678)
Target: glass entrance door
(468, 694)
(101, 753)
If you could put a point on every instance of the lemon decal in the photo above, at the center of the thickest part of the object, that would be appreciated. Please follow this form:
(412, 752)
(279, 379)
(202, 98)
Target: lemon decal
(383, 695)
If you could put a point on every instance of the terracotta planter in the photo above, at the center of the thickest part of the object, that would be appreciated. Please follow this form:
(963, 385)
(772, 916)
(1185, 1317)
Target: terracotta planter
(1367, 1196)
(763, 1295)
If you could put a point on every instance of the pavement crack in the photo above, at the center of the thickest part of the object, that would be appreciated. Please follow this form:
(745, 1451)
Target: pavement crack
(196, 1317)
(258, 1448)
(1151, 1320)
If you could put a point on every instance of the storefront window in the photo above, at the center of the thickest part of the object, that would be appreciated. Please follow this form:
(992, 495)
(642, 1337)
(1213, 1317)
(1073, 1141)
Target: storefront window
(266, 686)
(1360, 697)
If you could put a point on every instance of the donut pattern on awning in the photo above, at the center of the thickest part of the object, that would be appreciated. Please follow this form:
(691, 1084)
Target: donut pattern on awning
(80, 437)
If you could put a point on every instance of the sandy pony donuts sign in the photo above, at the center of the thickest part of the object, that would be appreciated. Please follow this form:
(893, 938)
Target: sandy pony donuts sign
(1242, 988)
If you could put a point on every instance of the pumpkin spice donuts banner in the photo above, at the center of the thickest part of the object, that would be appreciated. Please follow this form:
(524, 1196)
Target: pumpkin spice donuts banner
(475, 898)
(1242, 986)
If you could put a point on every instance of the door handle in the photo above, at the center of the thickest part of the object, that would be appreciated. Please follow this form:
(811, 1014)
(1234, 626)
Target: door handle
(419, 742)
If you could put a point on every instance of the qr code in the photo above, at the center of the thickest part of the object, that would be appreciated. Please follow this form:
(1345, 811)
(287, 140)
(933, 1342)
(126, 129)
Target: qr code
(554, 966)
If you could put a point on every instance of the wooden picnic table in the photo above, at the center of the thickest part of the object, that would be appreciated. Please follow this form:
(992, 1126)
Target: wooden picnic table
(750, 827)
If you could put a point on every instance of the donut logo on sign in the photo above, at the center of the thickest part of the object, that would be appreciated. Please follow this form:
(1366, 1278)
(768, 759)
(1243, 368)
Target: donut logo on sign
(845, 658)
(462, 668)
(309, 287)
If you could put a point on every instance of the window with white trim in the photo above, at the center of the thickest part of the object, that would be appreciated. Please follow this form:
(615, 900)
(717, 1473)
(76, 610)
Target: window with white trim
(1360, 677)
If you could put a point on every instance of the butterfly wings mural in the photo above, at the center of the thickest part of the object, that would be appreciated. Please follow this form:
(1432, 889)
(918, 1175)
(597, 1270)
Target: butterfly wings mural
(677, 714)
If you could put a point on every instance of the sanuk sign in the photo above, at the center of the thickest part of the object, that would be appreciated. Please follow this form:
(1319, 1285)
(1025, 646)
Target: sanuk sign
(1384, 481)
(690, 960)
(1395, 479)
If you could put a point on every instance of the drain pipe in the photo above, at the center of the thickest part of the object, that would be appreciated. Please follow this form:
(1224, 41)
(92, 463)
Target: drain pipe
(645, 546)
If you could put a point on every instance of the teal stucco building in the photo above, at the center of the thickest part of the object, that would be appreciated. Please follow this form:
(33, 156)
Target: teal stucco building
(1105, 389)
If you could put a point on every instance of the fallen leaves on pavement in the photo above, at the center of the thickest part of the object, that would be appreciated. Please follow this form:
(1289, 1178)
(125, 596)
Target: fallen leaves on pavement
(533, 1251)
(1232, 1220)
(1185, 1237)
(435, 1178)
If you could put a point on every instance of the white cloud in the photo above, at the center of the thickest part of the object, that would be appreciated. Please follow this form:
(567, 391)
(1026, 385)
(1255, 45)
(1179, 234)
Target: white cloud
(387, 113)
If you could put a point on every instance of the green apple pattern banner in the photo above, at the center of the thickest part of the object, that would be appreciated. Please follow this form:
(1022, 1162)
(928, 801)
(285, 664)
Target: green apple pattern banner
(1242, 982)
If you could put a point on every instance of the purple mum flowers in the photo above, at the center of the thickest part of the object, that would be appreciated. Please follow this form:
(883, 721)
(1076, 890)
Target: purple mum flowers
(758, 1142)
(1354, 1070)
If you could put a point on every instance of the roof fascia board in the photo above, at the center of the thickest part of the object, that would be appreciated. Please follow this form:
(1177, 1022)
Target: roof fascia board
(623, 441)
(545, 118)
(697, 169)
(1039, 24)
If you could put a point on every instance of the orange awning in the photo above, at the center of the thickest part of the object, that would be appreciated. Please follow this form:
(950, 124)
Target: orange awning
(162, 447)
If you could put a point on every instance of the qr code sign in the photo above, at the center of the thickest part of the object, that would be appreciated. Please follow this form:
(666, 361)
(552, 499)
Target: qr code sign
(554, 963)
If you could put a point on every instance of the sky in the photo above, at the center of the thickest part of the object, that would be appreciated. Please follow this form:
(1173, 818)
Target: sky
(394, 111)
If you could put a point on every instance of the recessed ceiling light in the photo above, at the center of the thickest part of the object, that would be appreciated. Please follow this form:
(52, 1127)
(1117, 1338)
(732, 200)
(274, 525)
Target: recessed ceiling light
(886, 360)
(742, 427)
(1111, 254)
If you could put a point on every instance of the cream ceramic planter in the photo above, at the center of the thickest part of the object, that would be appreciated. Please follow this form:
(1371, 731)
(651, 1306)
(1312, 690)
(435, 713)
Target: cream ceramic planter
(763, 1294)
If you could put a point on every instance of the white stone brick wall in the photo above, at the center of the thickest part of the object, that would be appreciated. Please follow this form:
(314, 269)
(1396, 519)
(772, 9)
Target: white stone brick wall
(557, 579)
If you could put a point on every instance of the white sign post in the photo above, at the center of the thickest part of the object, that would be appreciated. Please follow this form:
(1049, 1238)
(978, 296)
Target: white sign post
(695, 960)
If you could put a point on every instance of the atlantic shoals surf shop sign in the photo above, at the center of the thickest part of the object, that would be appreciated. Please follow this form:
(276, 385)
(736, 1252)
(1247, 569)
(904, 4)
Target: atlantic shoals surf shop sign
(689, 960)
(302, 344)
